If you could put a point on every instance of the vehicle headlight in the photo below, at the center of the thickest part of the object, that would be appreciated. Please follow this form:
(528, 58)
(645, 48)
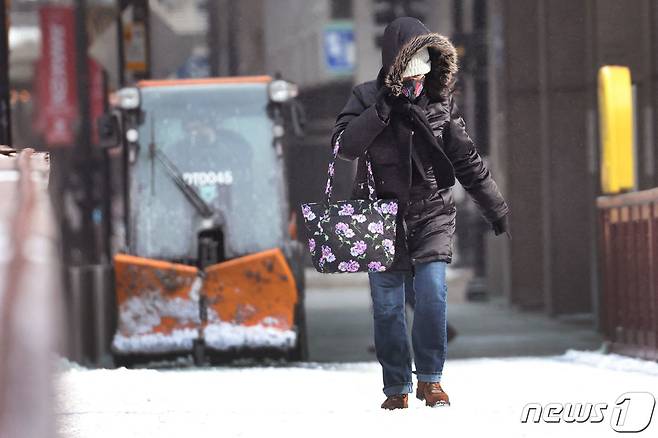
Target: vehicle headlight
(132, 135)
(282, 91)
(128, 98)
(278, 131)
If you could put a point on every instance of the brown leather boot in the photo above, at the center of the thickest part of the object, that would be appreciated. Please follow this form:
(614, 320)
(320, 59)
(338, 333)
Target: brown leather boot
(432, 393)
(398, 401)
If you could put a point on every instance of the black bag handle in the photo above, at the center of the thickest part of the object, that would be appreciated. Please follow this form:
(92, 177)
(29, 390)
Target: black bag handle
(372, 195)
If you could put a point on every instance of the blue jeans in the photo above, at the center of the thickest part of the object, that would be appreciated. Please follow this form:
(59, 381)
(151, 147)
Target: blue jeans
(428, 333)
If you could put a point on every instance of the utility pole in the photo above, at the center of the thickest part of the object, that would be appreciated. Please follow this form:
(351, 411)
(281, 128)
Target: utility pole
(476, 67)
(84, 156)
(213, 37)
(5, 119)
(120, 43)
(222, 38)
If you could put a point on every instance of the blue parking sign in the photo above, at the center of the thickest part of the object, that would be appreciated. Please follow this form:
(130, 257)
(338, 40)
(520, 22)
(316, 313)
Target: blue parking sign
(339, 49)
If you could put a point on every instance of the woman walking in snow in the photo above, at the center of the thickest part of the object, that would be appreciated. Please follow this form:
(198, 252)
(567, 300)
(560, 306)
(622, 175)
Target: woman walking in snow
(409, 124)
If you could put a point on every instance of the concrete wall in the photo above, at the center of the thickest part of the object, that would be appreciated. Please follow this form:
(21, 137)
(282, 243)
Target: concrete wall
(293, 39)
(251, 24)
(545, 139)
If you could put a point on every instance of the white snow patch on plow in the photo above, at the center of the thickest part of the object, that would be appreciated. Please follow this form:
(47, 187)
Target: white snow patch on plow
(178, 340)
(219, 336)
(223, 336)
(141, 314)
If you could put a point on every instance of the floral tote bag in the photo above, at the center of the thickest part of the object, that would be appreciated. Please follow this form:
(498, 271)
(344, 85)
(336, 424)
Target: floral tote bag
(351, 236)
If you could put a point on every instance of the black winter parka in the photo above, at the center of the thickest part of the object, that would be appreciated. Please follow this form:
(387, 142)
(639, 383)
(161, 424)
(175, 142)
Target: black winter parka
(425, 226)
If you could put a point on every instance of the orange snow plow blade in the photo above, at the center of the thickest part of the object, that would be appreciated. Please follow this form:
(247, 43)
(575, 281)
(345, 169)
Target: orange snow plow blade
(251, 302)
(248, 302)
(158, 305)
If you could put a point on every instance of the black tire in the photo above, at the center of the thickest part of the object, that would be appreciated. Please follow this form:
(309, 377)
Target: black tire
(300, 351)
(123, 361)
(295, 257)
(199, 353)
(139, 360)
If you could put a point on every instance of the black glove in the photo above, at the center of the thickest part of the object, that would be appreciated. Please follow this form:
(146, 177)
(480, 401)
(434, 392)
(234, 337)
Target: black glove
(386, 103)
(400, 105)
(382, 104)
(501, 226)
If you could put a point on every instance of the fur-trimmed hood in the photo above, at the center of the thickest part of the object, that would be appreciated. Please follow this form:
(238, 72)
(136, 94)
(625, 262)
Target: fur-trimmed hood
(403, 37)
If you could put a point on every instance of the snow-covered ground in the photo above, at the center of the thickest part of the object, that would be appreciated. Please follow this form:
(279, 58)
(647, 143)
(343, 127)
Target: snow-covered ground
(330, 400)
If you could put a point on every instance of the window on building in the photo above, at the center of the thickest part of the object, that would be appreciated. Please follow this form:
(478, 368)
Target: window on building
(341, 9)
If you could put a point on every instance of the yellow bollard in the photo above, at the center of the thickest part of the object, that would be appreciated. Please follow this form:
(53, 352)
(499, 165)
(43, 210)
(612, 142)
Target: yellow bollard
(616, 129)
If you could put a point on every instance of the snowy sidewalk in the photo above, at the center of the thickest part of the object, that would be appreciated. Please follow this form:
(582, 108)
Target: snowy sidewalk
(329, 400)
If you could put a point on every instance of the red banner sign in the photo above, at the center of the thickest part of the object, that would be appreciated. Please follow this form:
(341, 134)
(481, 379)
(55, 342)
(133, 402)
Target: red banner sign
(56, 84)
(56, 76)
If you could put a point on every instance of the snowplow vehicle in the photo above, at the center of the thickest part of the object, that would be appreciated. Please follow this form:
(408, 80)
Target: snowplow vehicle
(209, 265)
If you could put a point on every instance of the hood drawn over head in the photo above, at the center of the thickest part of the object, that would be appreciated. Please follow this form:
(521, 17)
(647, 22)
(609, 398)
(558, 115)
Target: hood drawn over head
(403, 37)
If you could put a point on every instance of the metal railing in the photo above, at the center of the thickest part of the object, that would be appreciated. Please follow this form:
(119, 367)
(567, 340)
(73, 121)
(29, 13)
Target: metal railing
(629, 272)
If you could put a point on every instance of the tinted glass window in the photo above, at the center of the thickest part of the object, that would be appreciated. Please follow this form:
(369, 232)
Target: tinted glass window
(219, 137)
